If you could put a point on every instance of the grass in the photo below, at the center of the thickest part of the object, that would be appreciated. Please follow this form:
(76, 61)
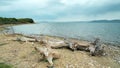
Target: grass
(3, 65)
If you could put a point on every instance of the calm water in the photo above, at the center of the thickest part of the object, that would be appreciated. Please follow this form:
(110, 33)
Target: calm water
(108, 32)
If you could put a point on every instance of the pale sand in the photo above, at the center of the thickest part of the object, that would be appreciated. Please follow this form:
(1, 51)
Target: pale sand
(24, 56)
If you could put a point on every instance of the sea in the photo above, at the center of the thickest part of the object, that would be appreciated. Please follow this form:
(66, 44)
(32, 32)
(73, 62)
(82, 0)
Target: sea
(107, 32)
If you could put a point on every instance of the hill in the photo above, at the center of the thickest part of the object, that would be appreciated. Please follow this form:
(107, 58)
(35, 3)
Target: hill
(15, 21)
(92, 21)
(106, 21)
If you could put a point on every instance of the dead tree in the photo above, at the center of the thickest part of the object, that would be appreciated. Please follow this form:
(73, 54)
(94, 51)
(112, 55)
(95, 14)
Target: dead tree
(96, 48)
(76, 45)
(48, 54)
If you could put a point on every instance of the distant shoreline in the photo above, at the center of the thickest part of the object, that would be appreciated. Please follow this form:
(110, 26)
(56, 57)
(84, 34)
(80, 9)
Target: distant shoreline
(89, 21)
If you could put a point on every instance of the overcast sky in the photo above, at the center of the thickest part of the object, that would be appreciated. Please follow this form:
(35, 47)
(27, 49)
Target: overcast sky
(61, 10)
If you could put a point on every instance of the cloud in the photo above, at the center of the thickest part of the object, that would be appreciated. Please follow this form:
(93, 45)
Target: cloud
(92, 6)
(60, 9)
(5, 2)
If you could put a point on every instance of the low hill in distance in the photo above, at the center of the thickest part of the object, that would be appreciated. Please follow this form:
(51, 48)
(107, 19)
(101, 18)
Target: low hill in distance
(92, 21)
(106, 21)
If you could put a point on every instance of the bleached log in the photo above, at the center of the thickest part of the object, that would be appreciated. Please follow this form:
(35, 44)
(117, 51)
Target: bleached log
(96, 48)
(25, 39)
(48, 54)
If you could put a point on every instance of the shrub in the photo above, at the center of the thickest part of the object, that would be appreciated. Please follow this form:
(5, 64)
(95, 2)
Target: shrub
(3, 65)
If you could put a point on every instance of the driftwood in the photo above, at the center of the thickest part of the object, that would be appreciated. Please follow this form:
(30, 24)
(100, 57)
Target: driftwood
(48, 54)
(53, 44)
(25, 39)
(66, 44)
(96, 48)
(74, 45)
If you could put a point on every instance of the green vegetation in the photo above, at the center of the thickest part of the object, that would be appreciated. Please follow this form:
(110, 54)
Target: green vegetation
(15, 21)
(3, 65)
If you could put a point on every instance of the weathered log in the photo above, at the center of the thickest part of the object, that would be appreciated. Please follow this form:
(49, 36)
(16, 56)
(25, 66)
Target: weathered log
(25, 39)
(96, 48)
(77, 45)
(49, 54)
(54, 44)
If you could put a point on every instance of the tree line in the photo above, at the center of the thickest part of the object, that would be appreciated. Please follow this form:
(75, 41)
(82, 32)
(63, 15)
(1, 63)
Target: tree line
(15, 21)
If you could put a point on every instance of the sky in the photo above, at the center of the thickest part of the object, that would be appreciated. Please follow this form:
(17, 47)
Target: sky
(61, 10)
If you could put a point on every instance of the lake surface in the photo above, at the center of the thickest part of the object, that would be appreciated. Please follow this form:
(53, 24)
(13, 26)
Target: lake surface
(108, 32)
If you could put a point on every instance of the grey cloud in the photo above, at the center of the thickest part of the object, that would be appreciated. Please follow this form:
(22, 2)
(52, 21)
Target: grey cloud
(55, 9)
(92, 10)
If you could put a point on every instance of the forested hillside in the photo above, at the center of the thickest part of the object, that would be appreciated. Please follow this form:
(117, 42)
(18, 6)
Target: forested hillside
(15, 21)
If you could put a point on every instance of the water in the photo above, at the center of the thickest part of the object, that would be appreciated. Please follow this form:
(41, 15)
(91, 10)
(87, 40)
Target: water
(108, 32)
